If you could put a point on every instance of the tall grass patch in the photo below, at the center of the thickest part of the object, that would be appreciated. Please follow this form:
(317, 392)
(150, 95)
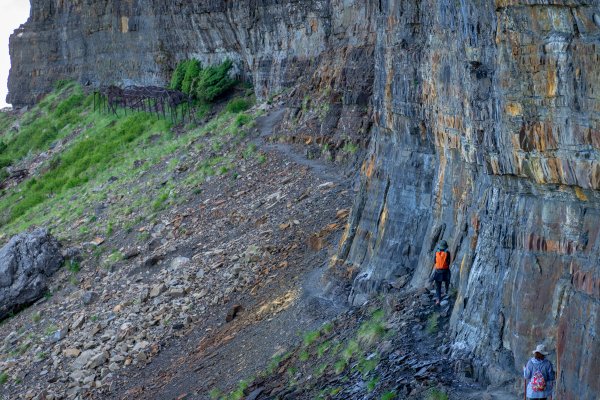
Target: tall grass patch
(107, 142)
(373, 329)
(49, 121)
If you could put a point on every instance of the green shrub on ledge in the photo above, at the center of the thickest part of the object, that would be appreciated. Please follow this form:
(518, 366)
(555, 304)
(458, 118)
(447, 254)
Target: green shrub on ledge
(205, 84)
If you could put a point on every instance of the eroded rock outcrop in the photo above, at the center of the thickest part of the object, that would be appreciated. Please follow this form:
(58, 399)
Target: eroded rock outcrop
(323, 49)
(26, 263)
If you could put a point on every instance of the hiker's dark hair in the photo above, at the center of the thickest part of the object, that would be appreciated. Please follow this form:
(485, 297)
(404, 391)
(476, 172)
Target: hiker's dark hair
(539, 356)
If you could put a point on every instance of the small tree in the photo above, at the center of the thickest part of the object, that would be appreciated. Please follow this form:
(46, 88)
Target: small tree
(204, 84)
(192, 72)
(214, 81)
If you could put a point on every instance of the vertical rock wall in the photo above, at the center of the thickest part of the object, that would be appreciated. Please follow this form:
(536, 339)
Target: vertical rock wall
(487, 136)
(323, 48)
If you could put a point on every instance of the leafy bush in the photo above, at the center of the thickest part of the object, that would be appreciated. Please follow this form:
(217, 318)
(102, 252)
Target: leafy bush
(214, 81)
(178, 75)
(238, 105)
(436, 394)
(192, 71)
(205, 84)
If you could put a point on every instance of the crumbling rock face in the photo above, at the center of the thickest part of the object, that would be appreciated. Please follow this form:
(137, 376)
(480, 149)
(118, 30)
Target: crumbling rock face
(487, 135)
(26, 263)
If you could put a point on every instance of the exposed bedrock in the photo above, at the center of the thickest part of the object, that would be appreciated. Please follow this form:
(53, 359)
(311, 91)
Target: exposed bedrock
(27, 261)
(274, 43)
(486, 134)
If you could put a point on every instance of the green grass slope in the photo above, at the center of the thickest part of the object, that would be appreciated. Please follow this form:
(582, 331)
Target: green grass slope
(136, 164)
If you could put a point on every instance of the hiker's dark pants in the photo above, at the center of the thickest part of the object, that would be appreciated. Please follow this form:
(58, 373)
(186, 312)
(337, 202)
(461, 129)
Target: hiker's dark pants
(439, 276)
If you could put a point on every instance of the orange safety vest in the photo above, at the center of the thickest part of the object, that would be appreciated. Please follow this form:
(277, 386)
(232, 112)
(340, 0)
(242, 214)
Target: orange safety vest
(442, 260)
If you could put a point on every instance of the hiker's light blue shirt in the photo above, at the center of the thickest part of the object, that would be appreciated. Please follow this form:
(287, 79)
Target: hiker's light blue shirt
(547, 370)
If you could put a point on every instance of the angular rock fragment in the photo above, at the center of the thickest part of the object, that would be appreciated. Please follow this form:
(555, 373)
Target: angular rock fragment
(27, 261)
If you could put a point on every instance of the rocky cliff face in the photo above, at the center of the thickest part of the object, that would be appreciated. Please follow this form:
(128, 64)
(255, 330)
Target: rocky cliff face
(319, 46)
(485, 133)
(323, 48)
(487, 136)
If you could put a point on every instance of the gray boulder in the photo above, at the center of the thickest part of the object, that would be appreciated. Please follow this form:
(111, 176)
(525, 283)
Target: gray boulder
(26, 263)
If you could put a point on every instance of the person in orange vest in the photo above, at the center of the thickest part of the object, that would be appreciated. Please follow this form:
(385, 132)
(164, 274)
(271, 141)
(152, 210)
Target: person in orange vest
(441, 270)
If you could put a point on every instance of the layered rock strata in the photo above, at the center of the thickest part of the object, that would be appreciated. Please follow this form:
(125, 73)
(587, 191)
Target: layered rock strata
(486, 135)
(322, 47)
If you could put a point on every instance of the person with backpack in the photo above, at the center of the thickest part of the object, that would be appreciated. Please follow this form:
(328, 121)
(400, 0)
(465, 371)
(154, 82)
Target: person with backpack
(539, 375)
(441, 270)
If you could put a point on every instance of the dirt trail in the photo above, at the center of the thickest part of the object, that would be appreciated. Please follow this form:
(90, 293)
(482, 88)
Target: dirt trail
(291, 301)
(266, 125)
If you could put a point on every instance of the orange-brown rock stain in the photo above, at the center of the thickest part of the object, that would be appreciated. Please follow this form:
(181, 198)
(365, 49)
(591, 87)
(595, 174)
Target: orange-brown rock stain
(513, 109)
(580, 194)
(552, 81)
(368, 167)
(124, 24)
(381, 224)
